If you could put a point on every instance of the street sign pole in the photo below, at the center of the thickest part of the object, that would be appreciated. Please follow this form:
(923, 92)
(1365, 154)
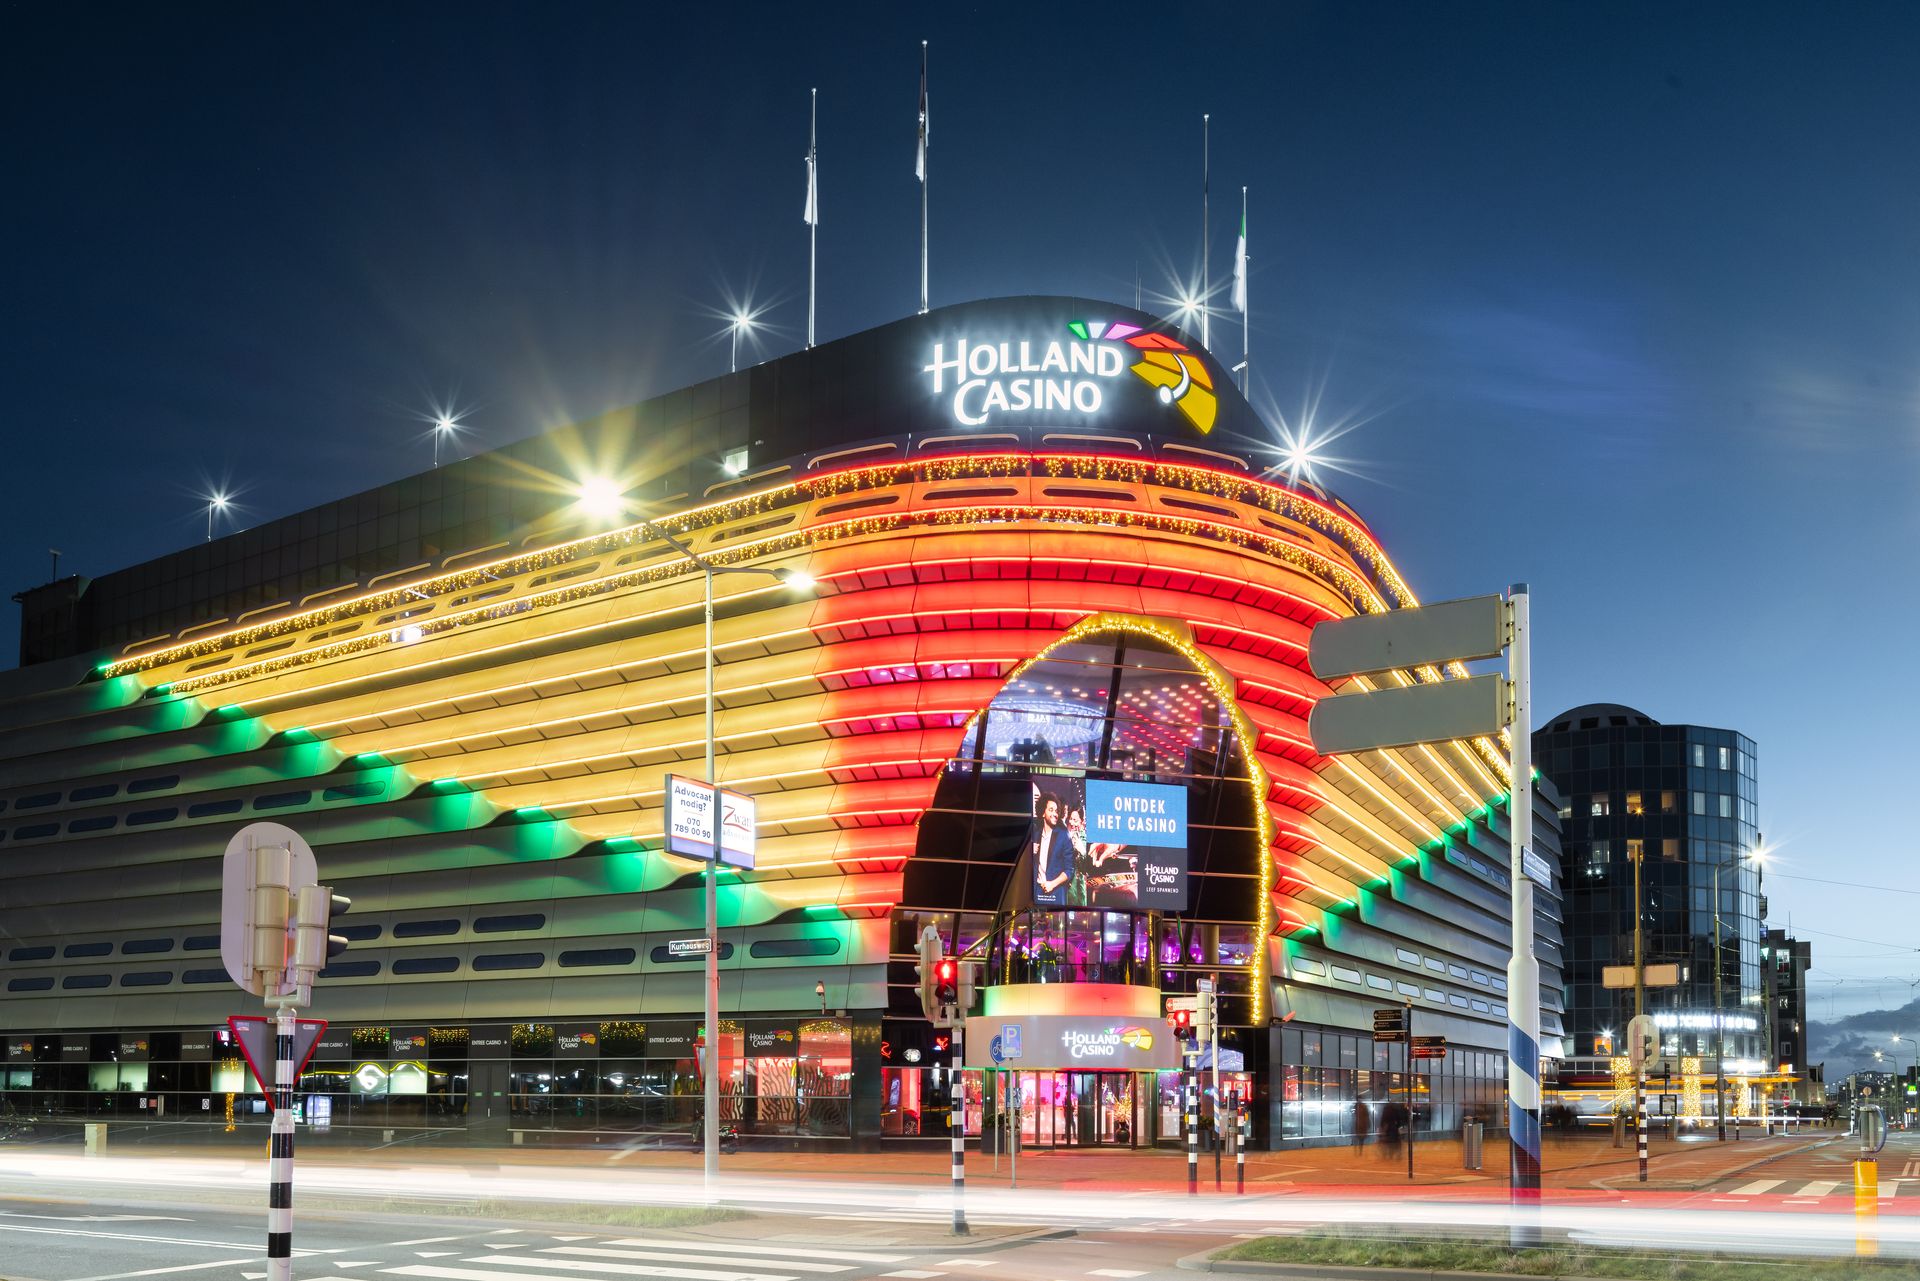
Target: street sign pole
(1409, 1034)
(1523, 970)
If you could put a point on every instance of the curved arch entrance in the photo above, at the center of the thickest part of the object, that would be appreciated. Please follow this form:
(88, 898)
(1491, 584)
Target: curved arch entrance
(1098, 842)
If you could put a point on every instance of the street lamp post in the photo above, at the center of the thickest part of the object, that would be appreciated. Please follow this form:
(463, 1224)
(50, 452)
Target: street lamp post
(215, 502)
(1719, 1022)
(442, 429)
(799, 580)
(739, 321)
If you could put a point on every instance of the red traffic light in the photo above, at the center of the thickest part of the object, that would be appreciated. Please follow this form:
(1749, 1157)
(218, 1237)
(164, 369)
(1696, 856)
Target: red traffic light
(1182, 1021)
(946, 980)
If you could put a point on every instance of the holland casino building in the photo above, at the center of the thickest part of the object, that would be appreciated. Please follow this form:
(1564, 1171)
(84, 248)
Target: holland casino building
(1056, 594)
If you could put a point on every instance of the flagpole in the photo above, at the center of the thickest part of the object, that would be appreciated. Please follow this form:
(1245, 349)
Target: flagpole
(1206, 257)
(923, 177)
(813, 214)
(1246, 304)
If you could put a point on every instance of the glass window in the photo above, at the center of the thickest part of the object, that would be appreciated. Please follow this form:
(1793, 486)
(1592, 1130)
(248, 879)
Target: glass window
(1700, 755)
(1724, 762)
(1411, 958)
(1635, 805)
(1669, 802)
(1600, 807)
(1700, 803)
(1636, 849)
(1670, 848)
(1346, 975)
(1375, 981)
(1436, 965)
(1726, 806)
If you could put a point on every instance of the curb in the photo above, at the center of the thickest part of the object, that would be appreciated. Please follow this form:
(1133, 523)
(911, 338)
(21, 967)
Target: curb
(1203, 1262)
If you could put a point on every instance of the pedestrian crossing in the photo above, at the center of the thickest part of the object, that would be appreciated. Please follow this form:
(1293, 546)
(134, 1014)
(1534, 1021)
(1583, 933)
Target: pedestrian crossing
(1793, 1190)
(514, 1256)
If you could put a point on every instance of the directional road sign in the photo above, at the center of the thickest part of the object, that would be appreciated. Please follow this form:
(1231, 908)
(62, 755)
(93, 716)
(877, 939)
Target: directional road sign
(689, 947)
(1621, 976)
(1401, 717)
(1403, 639)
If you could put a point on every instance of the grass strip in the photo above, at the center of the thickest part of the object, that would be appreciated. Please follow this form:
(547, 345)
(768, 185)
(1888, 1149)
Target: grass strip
(1353, 1250)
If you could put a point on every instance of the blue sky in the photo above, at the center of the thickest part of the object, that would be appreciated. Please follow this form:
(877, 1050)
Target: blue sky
(1619, 300)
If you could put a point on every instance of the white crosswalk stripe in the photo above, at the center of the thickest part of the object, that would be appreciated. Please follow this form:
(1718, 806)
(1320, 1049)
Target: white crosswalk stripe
(1818, 1188)
(603, 1268)
(677, 1256)
(777, 1251)
(1756, 1187)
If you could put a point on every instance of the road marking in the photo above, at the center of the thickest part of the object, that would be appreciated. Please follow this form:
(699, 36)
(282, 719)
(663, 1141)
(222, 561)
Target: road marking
(356, 1263)
(435, 1240)
(1756, 1187)
(965, 1263)
(182, 1267)
(717, 1247)
(124, 1236)
(629, 1269)
(914, 1274)
(1818, 1188)
(675, 1256)
(463, 1274)
(1114, 1272)
(434, 1254)
(1891, 1187)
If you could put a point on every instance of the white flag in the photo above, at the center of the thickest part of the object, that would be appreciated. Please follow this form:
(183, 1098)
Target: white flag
(811, 216)
(1240, 268)
(920, 152)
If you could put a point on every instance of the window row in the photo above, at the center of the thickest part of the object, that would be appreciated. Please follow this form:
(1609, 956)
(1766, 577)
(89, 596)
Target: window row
(764, 949)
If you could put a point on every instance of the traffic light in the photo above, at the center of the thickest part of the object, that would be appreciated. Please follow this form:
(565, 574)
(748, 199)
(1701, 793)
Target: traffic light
(969, 974)
(1180, 1010)
(946, 981)
(313, 944)
(926, 970)
(1203, 1020)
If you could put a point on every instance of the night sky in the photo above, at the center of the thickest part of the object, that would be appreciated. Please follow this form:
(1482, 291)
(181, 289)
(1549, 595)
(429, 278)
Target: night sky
(1622, 301)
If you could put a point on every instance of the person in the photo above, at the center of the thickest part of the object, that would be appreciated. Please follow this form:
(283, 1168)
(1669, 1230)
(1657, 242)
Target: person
(1393, 1124)
(1076, 825)
(1052, 852)
(1362, 1121)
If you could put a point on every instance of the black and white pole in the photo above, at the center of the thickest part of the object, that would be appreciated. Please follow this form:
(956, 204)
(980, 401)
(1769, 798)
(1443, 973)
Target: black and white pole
(957, 1123)
(1523, 968)
(1240, 1144)
(1640, 1118)
(1193, 1125)
(280, 1152)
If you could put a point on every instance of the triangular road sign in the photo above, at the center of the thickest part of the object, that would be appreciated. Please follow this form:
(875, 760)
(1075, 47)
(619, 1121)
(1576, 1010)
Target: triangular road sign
(255, 1037)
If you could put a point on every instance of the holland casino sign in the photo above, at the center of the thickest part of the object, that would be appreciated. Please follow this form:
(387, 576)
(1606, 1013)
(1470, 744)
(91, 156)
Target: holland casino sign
(1015, 376)
(983, 380)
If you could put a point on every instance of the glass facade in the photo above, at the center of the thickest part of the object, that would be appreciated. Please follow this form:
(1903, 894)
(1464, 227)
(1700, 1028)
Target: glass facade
(1345, 1086)
(1683, 799)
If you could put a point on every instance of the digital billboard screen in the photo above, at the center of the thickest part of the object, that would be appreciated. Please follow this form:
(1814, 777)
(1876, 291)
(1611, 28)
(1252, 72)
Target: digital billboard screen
(1107, 844)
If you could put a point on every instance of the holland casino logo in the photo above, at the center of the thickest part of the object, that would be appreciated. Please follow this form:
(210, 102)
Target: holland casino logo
(1105, 1043)
(1024, 377)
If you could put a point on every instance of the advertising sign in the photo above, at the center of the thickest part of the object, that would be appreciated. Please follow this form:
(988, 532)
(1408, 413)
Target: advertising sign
(1100, 843)
(692, 829)
(776, 1041)
(1051, 1041)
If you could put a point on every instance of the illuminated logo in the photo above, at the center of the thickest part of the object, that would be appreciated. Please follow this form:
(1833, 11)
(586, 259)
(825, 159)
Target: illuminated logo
(987, 379)
(1180, 377)
(1105, 1043)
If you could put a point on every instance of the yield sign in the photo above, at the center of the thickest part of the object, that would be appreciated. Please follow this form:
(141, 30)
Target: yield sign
(255, 1035)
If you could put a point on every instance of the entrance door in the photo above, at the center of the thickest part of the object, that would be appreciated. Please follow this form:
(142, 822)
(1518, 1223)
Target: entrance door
(1097, 1108)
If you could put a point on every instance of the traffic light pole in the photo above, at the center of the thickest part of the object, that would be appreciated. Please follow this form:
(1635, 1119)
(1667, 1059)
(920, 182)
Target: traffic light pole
(1523, 969)
(957, 1123)
(280, 1149)
(1193, 1123)
(1639, 1008)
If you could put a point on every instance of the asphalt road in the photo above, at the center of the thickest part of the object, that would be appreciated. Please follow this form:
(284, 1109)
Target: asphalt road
(53, 1238)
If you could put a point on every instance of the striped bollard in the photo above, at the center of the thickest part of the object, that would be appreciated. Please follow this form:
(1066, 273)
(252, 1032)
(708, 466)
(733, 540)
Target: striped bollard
(1193, 1128)
(957, 1123)
(1523, 1080)
(1640, 1110)
(280, 1152)
(1240, 1146)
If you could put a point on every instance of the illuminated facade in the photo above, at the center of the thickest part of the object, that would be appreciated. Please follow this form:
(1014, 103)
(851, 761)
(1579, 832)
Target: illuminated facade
(465, 689)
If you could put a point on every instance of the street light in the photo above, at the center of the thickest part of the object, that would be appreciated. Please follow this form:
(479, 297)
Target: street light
(215, 502)
(443, 429)
(741, 319)
(799, 580)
